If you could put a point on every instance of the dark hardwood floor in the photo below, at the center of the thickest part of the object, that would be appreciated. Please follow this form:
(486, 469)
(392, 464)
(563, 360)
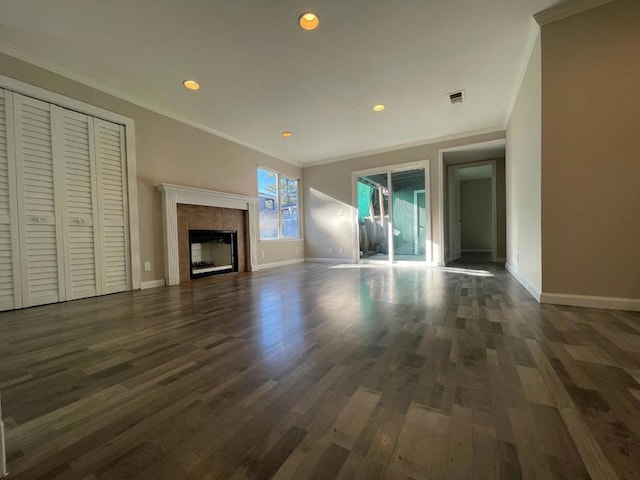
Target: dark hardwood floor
(323, 373)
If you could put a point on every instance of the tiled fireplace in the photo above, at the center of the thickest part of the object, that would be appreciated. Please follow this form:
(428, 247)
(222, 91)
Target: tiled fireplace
(188, 209)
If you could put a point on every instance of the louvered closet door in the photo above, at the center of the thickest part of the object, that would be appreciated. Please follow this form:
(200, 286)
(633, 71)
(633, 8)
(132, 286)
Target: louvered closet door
(112, 206)
(74, 150)
(10, 283)
(40, 233)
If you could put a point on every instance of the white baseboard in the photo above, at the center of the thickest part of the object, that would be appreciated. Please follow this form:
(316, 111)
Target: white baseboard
(152, 284)
(532, 289)
(329, 260)
(265, 266)
(609, 303)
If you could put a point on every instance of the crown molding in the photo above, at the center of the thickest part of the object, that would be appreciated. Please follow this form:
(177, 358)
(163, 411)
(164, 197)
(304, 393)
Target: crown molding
(89, 82)
(419, 143)
(573, 7)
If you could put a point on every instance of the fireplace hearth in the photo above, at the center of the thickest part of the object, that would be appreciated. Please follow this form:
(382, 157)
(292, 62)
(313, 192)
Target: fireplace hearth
(213, 252)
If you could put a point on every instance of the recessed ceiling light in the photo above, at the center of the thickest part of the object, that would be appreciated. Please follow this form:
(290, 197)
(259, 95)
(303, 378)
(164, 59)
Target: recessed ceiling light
(287, 134)
(378, 108)
(309, 21)
(191, 84)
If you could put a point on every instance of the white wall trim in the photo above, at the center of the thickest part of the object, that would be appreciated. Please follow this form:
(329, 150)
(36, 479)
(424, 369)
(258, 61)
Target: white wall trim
(610, 303)
(330, 260)
(530, 287)
(427, 141)
(283, 263)
(152, 284)
(172, 195)
(130, 142)
(565, 10)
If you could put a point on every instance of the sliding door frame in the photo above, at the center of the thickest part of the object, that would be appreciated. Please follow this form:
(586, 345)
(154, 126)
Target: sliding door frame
(389, 169)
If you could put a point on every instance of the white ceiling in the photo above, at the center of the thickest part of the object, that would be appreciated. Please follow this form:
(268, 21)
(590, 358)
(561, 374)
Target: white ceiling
(261, 74)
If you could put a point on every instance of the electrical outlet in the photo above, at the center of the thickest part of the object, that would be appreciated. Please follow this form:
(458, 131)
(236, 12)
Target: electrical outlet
(341, 250)
(330, 249)
(147, 266)
(340, 212)
(262, 254)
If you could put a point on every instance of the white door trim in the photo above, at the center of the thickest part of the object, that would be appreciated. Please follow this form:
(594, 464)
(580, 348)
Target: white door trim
(442, 257)
(416, 214)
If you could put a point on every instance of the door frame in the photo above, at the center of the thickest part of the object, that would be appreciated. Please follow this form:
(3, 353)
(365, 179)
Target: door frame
(416, 214)
(451, 169)
(442, 254)
(389, 169)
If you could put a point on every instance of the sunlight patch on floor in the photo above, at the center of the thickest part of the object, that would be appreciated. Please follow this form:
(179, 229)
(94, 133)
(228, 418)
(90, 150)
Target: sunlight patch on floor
(406, 265)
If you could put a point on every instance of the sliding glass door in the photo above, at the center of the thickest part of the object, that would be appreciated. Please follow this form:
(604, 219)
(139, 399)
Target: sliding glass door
(393, 222)
(409, 215)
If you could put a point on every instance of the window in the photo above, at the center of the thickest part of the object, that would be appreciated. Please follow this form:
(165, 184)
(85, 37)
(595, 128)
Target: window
(278, 206)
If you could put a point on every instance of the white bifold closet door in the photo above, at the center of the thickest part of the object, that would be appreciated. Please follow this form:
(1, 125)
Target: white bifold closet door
(63, 204)
(74, 139)
(39, 196)
(112, 207)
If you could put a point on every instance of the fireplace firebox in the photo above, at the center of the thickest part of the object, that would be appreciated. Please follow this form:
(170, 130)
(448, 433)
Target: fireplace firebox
(213, 252)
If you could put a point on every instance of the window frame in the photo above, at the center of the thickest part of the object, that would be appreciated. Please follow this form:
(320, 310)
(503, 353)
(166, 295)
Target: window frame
(279, 176)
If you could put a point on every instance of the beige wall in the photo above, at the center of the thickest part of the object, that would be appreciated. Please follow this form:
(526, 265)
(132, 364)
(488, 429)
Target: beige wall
(328, 196)
(171, 152)
(591, 152)
(523, 174)
(476, 205)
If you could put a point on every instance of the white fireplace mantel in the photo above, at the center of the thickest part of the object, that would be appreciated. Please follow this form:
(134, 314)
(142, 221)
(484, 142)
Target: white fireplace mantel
(172, 195)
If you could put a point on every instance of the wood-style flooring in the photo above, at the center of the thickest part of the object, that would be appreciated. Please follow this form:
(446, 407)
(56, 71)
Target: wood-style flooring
(316, 372)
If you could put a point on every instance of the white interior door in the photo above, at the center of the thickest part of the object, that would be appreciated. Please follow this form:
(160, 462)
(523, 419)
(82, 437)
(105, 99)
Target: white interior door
(457, 220)
(10, 281)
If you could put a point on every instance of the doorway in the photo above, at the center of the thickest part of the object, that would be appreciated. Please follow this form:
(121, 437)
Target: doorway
(472, 212)
(455, 170)
(393, 222)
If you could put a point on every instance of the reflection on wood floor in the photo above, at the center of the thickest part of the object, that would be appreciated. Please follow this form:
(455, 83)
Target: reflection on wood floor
(316, 372)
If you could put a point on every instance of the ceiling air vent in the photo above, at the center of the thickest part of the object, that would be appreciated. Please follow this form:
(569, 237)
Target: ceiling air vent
(457, 97)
